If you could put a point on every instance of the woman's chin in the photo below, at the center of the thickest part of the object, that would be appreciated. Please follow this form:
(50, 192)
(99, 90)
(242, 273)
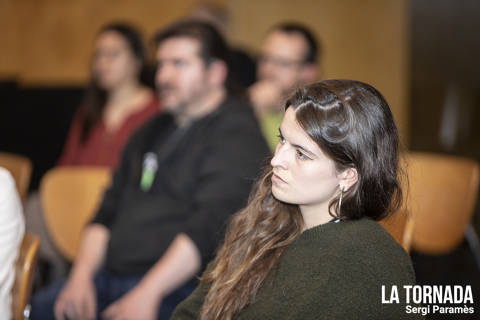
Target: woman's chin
(280, 196)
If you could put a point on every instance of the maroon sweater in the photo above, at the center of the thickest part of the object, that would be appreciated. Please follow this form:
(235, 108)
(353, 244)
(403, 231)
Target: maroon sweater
(101, 147)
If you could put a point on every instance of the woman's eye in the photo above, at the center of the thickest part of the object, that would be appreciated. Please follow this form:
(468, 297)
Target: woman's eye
(281, 139)
(302, 156)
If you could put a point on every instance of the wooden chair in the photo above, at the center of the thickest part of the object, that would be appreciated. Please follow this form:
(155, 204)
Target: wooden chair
(400, 226)
(442, 195)
(70, 196)
(20, 168)
(24, 272)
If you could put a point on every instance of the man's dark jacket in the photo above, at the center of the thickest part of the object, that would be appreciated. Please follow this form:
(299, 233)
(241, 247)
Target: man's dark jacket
(204, 174)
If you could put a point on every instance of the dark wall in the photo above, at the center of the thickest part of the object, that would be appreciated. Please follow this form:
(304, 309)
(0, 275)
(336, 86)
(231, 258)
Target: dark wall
(445, 77)
(34, 122)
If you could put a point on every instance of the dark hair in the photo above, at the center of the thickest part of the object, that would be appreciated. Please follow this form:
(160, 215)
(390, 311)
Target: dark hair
(212, 45)
(352, 123)
(95, 96)
(314, 48)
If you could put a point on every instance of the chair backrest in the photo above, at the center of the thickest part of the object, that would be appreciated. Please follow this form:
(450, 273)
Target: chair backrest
(442, 195)
(70, 196)
(20, 168)
(400, 226)
(24, 272)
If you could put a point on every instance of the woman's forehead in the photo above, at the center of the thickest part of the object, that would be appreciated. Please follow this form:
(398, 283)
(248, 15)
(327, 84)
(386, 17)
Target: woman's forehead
(295, 134)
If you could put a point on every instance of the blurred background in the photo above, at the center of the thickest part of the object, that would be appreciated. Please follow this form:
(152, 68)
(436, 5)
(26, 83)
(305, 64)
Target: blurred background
(47, 46)
(421, 54)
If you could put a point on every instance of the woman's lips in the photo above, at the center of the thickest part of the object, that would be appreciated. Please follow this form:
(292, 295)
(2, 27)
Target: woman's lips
(277, 179)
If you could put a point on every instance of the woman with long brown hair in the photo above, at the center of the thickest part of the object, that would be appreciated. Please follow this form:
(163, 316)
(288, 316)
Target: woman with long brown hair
(307, 245)
(117, 102)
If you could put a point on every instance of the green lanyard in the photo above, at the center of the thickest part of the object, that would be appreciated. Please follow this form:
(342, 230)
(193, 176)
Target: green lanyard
(151, 160)
(150, 166)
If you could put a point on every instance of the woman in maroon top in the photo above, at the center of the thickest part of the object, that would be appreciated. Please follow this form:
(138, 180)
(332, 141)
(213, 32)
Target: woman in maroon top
(116, 103)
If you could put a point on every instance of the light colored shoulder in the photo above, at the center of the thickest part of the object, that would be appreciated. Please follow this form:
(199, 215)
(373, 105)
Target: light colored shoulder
(10, 205)
(6, 181)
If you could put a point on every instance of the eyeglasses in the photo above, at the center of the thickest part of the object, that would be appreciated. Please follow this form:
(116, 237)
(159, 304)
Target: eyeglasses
(280, 62)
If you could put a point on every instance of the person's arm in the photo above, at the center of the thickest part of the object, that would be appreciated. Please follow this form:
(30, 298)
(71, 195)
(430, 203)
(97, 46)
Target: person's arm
(92, 251)
(11, 233)
(178, 265)
(78, 298)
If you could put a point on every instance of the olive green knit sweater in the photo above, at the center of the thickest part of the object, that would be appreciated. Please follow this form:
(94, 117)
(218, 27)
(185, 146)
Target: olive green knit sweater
(332, 271)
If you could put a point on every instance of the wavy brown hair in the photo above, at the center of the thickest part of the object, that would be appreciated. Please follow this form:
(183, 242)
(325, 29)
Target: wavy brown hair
(352, 123)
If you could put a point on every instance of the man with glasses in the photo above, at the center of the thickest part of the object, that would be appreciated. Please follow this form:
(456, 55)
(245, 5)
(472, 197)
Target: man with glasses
(288, 59)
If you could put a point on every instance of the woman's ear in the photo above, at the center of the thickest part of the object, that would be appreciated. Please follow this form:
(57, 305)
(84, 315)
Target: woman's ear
(348, 178)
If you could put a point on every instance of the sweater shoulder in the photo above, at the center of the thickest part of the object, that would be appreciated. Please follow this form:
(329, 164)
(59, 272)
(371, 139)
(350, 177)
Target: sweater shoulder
(368, 236)
(375, 250)
(363, 245)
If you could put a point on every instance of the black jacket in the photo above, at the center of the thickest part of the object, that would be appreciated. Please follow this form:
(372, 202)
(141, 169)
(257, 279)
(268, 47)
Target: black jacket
(204, 175)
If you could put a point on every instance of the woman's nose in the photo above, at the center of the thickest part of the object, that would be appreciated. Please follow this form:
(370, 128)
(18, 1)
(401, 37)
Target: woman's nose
(278, 159)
